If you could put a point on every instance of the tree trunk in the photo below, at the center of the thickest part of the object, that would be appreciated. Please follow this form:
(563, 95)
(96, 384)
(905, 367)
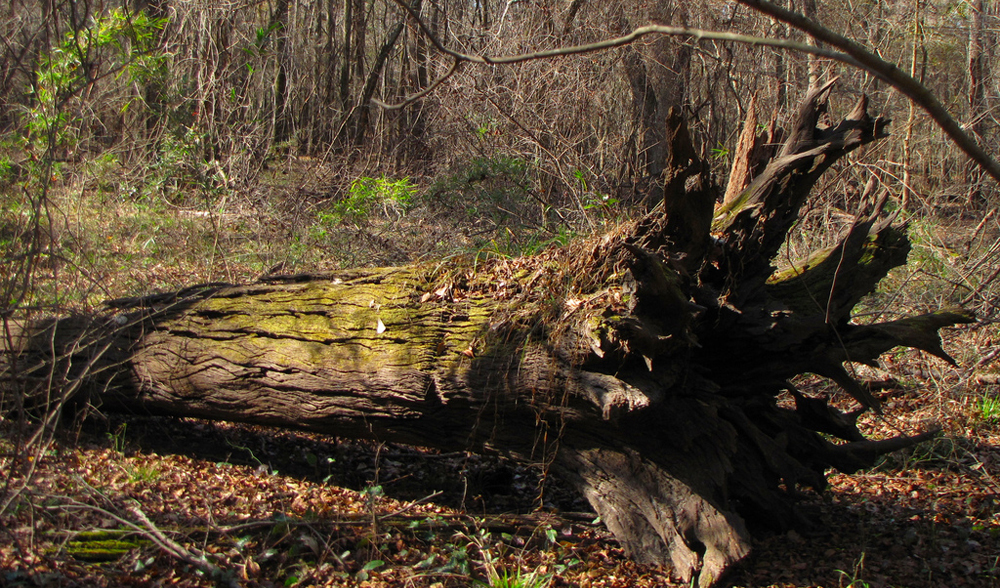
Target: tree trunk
(643, 366)
(979, 102)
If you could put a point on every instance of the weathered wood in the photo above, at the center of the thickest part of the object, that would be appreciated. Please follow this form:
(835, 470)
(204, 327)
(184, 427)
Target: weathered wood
(643, 366)
(753, 151)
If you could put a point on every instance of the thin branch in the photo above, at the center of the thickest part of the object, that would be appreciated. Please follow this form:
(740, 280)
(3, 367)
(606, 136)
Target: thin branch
(414, 97)
(693, 33)
(891, 74)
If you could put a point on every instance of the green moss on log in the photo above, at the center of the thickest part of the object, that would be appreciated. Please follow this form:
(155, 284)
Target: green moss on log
(103, 545)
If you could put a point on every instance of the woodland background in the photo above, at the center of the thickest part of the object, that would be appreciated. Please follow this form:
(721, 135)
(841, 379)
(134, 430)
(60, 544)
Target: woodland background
(216, 106)
(151, 145)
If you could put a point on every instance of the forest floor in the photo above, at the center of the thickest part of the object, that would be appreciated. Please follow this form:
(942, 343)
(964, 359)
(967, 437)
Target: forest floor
(145, 501)
(142, 501)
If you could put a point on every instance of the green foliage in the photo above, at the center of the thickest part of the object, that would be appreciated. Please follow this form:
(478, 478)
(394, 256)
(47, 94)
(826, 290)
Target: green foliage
(102, 172)
(854, 578)
(112, 45)
(604, 203)
(182, 168)
(372, 495)
(593, 200)
(118, 438)
(720, 153)
(483, 168)
(8, 171)
(262, 37)
(510, 244)
(485, 180)
(458, 561)
(500, 197)
(115, 43)
(142, 473)
(484, 126)
(518, 579)
(988, 408)
(372, 565)
(366, 194)
(505, 575)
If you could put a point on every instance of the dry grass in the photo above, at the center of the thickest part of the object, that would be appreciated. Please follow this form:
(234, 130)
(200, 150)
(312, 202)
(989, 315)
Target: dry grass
(115, 240)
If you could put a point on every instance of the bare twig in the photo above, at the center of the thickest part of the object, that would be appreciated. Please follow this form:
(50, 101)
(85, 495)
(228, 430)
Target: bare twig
(414, 97)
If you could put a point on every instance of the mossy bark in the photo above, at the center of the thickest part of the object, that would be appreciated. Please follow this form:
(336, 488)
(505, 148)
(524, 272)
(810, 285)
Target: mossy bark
(643, 366)
(104, 544)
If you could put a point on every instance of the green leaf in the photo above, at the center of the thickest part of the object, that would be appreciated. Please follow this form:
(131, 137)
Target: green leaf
(550, 534)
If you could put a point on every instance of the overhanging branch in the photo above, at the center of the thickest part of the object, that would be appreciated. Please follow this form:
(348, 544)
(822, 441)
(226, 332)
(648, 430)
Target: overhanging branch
(890, 74)
(689, 32)
(851, 53)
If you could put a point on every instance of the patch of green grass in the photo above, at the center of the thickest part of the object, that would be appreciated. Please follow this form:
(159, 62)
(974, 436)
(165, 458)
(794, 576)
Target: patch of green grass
(118, 438)
(142, 473)
(854, 578)
(516, 578)
(988, 408)
(510, 244)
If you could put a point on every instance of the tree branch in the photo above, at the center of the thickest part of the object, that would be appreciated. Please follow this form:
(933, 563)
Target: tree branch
(851, 53)
(691, 33)
(890, 74)
(414, 97)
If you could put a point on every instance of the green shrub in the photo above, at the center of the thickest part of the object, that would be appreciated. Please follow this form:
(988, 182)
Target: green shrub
(366, 194)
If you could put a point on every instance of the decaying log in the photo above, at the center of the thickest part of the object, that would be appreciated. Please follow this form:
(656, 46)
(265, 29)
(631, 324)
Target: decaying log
(643, 366)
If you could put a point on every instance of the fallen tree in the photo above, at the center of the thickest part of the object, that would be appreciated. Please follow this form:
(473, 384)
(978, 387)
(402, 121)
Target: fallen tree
(643, 366)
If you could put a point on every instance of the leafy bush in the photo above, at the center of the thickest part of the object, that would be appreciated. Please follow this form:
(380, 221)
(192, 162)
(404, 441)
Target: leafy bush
(366, 194)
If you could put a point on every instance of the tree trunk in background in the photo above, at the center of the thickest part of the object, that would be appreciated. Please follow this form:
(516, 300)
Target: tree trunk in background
(278, 26)
(908, 192)
(657, 77)
(153, 92)
(979, 107)
(643, 366)
(812, 61)
(326, 52)
(347, 25)
(362, 117)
